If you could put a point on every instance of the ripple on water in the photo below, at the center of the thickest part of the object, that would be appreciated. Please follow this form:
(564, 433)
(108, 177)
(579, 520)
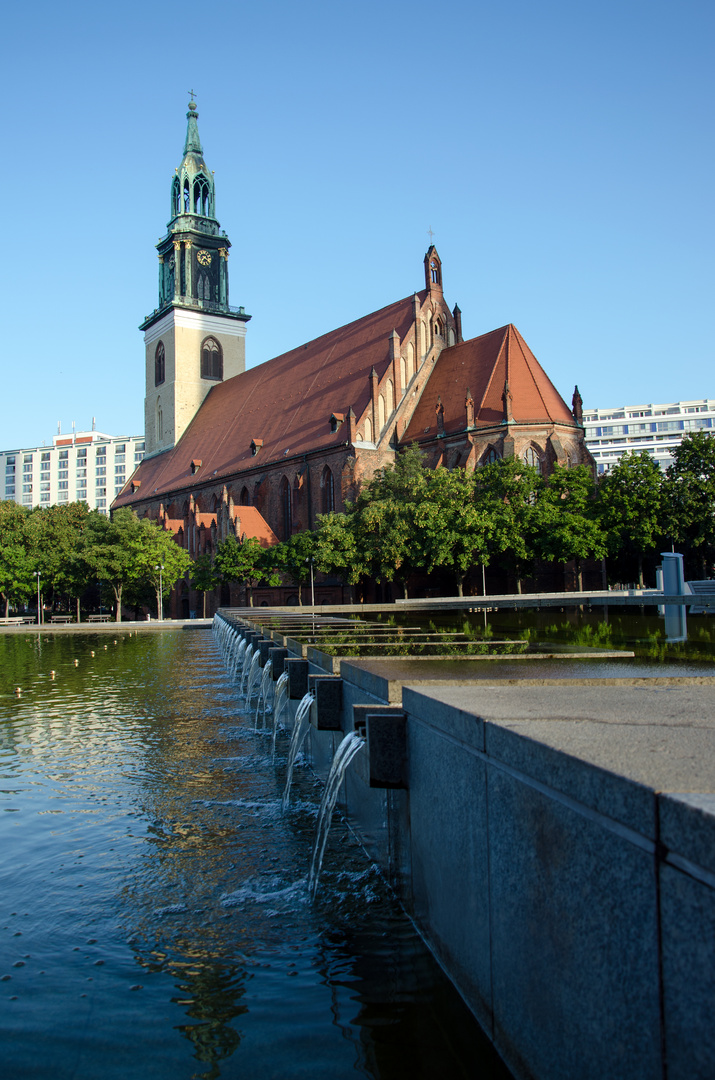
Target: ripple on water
(158, 888)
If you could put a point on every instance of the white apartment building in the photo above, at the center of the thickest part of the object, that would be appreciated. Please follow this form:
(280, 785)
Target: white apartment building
(86, 466)
(653, 428)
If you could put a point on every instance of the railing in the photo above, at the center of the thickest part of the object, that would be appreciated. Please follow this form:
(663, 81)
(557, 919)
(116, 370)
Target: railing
(200, 305)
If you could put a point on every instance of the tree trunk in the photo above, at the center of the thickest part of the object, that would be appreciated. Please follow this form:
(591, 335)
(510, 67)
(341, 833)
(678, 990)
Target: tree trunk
(79, 614)
(118, 598)
(579, 572)
(518, 585)
(460, 586)
(300, 594)
(640, 570)
(7, 607)
(204, 596)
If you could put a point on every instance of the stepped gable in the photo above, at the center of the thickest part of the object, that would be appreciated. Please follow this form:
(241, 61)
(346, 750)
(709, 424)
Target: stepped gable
(483, 365)
(286, 403)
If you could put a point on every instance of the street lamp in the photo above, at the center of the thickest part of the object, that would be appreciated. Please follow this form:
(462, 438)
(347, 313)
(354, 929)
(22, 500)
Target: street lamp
(39, 612)
(160, 612)
(312, 582)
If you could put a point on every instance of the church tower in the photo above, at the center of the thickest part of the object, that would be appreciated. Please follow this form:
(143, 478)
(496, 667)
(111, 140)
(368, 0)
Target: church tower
(193, 338)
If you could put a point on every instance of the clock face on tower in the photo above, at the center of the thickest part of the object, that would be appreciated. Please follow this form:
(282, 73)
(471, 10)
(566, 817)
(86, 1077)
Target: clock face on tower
(204, 258)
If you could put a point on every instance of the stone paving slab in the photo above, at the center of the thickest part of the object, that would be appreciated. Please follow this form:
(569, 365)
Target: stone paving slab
(661, 736)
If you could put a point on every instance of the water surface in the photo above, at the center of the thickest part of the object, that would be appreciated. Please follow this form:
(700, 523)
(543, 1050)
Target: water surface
(154, 919)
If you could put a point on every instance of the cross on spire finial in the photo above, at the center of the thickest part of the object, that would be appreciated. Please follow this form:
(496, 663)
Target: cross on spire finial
(430, 234)
(192, 94)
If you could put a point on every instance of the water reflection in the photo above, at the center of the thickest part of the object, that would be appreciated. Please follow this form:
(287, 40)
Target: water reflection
(153, 908)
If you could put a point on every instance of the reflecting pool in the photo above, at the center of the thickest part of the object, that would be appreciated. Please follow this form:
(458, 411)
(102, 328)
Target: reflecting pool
(154, 919)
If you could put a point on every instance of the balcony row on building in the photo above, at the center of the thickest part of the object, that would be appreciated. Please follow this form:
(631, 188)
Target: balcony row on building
(86, 466)
(657, 429)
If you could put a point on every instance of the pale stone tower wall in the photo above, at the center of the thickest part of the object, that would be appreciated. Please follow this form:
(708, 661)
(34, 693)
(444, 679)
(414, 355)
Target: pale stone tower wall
(182, 333)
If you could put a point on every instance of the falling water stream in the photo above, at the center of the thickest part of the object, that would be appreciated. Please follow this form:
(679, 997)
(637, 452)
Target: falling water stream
(155, 920)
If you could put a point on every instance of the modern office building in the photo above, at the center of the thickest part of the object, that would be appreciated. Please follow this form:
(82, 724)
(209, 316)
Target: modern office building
(86, 466)
(653, 428)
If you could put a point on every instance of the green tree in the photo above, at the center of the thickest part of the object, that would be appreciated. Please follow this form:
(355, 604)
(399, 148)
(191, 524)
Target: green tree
(570, 526)
(58, 537)
(508, 492)
(204, 576)
(115, 550)
(162, 562)
(16, 561)
(338, 547)
(293, 557)
(689, 495)
(630, 497)
(386, 513)
(245, 562)
(455, 529)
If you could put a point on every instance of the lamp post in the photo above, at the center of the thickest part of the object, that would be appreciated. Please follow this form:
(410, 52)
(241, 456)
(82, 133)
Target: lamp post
(160, 612)
(312, 582)
(39, 610)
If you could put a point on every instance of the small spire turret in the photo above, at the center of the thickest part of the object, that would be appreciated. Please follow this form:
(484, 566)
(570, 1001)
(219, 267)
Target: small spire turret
(193, 142)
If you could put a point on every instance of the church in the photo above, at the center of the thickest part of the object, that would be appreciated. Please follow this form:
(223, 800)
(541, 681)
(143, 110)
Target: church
(262, 452)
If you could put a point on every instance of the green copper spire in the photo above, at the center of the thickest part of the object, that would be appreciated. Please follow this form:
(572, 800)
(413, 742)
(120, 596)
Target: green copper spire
(193, 142)
(192, 188)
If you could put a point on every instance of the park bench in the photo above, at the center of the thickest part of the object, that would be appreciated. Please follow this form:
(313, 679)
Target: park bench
(61, 618)
(12, 620)
(99, 618)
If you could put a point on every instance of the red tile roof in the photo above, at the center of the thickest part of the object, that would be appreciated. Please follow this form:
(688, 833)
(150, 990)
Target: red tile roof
(482, 365)
(286, 403)
(253, 524)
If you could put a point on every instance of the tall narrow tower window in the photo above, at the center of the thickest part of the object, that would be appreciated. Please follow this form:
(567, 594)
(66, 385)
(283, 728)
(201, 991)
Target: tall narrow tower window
(187, 197)
(175, 197)
(327, 483)
(159, 364)
(434, 271)
(211, 359)
(287, 509)
(159, 421)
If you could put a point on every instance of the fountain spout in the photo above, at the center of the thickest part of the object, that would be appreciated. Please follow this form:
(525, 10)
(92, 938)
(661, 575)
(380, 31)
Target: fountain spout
(300, 730)
(349, 747)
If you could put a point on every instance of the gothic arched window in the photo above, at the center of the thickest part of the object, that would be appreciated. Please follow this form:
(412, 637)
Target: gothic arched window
(211, 359)
(187, 197)
(368, 430)
(201, 196)
(159, 364)
(532, 458)
(245, 497)
(490, 457)
(434, 271)
(286, 509)
(175, 197)
(327, 485)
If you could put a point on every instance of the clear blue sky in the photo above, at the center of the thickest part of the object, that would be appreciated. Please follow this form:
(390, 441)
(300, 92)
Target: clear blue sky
(561, 152)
